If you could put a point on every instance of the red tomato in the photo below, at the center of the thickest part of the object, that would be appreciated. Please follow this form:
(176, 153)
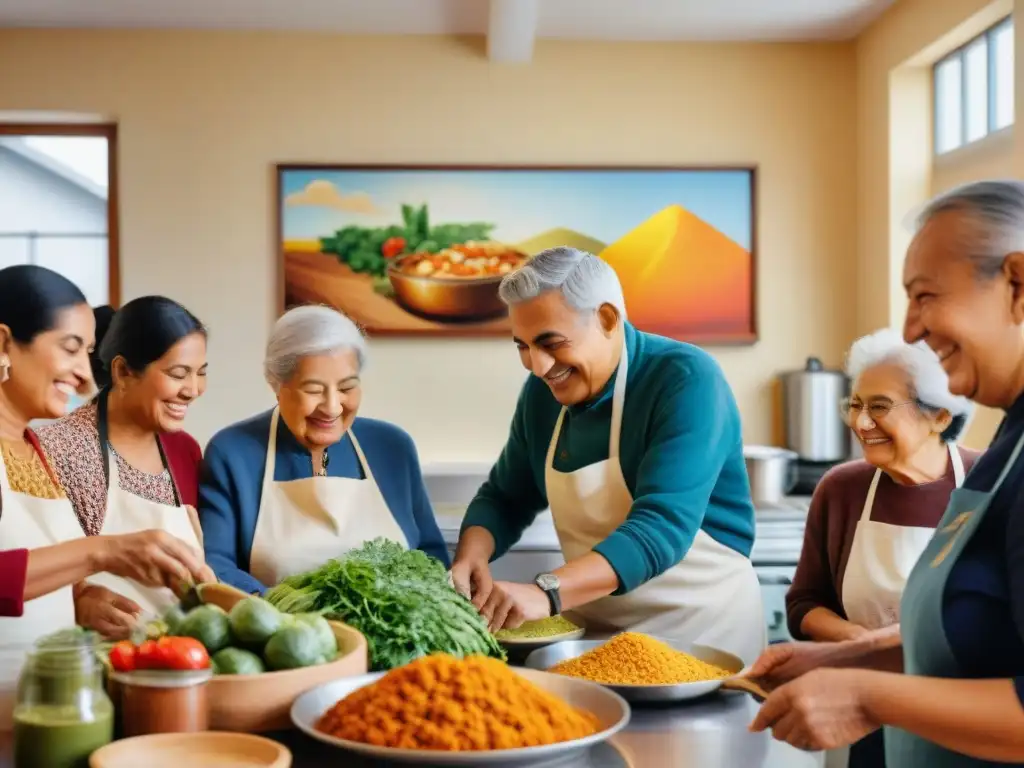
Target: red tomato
(182, 653)
(392, 247)
(149, 656)
(122, 656)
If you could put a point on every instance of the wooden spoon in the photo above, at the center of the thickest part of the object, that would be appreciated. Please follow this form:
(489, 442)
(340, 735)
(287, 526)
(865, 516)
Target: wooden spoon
(746, 685)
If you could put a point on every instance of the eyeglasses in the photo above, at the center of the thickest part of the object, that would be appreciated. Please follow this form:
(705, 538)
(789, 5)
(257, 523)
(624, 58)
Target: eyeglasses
(877, 412)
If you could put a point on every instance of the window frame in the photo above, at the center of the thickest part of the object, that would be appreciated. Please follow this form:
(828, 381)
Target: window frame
(109, 132)
(991, 89)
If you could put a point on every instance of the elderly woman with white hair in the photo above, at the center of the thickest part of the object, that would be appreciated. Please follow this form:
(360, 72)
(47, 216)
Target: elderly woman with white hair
(634, 443)
(287, 490)
(950, 694)
(871, 519)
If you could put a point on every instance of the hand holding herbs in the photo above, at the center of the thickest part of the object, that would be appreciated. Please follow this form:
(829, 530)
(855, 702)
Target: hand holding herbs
(400, 600)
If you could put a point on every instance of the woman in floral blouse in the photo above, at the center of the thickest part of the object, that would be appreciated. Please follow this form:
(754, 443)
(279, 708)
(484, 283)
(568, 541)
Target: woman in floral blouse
(124, 459)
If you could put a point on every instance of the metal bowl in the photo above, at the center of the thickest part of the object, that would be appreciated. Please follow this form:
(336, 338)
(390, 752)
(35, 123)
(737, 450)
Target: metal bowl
(610, 709)
(448, 298)
(546, 658)
(529, 644)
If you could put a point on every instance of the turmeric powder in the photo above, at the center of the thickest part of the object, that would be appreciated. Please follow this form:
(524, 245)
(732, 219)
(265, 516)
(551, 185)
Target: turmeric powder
(439, 702)
(636, 659)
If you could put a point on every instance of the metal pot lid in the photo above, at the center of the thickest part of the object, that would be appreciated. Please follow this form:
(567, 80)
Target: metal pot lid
(766, 452)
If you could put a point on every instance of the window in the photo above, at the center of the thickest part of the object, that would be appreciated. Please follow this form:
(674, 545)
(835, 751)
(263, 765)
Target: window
(974, 89)
(58, 203)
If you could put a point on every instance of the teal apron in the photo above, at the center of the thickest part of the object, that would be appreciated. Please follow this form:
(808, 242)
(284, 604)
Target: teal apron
(926, 650)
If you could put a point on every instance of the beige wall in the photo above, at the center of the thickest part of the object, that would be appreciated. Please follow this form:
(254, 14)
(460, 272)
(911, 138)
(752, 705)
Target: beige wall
(203, 117)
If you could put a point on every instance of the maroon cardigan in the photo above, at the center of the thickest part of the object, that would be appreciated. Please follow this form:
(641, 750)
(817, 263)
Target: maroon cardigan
(184, 457)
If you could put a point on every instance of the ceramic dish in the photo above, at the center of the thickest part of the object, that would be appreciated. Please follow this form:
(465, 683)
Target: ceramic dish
(174, 750)
(545, 658)
(528, 644)
(611, 710)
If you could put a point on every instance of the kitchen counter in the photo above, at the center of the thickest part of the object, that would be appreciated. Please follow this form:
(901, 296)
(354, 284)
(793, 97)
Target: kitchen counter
(709, 733)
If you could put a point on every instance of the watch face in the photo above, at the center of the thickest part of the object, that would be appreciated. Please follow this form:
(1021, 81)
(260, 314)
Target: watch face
(547, 581)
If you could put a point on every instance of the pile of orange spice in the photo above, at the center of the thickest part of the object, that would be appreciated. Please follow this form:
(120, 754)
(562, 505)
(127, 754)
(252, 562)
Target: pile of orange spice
(457, 705)
(636, 659)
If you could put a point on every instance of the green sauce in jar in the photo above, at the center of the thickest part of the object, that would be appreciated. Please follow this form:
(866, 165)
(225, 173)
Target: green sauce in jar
(63, 712)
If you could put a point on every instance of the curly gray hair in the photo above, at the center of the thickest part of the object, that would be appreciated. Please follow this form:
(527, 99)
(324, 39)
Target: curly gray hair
(928, 382)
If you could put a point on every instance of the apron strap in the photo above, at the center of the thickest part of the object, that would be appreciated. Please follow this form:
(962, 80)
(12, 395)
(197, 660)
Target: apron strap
(361, 456)
(958, 465)
(1009, 464)
(869, 501)
(618, 401)
(549, 461)
(271, 460)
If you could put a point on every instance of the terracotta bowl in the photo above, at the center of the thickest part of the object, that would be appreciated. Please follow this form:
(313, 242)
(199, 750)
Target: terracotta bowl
(256, 703)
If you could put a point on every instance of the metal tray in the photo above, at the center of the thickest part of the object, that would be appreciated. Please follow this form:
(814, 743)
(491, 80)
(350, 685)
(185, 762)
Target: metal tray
(545, 658)
(611, 711)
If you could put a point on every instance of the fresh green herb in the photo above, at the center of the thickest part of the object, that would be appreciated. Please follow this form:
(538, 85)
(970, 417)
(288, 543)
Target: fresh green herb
(368, 250)
(399, 599)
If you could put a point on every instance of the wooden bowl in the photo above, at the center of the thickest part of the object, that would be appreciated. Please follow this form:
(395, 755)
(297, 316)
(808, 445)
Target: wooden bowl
(173, 750)
(258, 703)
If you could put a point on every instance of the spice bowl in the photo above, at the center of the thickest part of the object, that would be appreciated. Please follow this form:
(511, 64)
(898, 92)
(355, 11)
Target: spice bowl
(610, 709)
(162, 701)
(545, 658)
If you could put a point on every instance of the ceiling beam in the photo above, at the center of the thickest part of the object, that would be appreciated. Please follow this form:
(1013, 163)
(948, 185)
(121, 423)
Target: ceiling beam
(511, 30)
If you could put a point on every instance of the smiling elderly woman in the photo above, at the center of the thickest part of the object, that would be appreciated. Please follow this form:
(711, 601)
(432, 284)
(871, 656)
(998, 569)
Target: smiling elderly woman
(291, 488)
(870, 519)
(950, 696)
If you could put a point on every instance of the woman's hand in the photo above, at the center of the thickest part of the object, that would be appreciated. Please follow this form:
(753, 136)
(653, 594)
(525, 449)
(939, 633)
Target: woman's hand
(152, 558)
(112, 615)
(785, 662)
(823, 709)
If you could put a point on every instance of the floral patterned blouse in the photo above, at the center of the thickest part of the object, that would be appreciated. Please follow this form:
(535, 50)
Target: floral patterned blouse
(72, 445)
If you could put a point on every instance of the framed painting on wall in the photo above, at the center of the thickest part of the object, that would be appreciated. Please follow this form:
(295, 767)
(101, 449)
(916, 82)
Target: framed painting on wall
(420, 250)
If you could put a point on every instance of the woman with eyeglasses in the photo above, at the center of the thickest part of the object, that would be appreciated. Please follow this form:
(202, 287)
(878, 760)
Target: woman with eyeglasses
(870, 519)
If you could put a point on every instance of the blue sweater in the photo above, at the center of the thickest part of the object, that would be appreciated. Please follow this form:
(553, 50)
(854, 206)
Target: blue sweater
(681, 451)
(232, 483)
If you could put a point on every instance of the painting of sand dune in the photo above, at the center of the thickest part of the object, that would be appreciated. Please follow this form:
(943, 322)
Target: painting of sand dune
(421, 251)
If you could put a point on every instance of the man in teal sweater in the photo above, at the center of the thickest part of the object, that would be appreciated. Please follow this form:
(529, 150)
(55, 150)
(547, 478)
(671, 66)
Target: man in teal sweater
(634, 442)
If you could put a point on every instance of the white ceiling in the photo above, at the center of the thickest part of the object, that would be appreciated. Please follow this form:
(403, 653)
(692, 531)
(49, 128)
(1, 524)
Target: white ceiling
(515, 22)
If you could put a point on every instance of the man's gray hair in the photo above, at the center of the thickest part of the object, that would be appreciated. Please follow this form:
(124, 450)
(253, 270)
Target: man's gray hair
(997, 206)
(585, 281)
(927, 381)
(305, 332)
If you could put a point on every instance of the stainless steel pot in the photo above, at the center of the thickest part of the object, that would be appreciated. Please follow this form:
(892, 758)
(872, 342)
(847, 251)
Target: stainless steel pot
(814, 427)
(771, 471)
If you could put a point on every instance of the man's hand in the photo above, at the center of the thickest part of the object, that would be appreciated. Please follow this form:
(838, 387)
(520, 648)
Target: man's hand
(104, 611)
(525, 602)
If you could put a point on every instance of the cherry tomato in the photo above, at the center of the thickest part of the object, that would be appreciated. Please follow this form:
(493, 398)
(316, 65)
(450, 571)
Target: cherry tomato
(149, 655)
(392, 247)
(122, 656)
(182, 653)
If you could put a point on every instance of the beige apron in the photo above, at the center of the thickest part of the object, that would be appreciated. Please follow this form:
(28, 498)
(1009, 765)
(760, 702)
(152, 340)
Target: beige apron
(304, 523)
(711, 597)
(881, 558)
(30, 523)
(128, 513)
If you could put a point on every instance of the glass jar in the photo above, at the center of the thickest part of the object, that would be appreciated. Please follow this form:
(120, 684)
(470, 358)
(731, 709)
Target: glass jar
(62, 713)
(163, 701)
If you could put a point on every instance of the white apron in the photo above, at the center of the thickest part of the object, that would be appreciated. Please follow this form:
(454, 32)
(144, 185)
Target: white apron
(304, 523)
(30, 523)
(711, 597)
(881, 559)
(128, 513)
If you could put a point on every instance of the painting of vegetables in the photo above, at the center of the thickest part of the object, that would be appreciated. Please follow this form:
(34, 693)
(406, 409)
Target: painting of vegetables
(421, 250)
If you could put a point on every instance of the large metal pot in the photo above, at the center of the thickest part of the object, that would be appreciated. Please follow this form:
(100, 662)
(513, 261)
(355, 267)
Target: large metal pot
(772, 472)
(814, 427)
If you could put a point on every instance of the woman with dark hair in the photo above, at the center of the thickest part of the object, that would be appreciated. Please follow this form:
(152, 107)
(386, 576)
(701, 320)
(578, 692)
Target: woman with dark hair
(124, 459)
(46, 331)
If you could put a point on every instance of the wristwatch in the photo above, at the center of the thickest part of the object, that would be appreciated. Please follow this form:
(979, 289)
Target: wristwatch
(549, 583)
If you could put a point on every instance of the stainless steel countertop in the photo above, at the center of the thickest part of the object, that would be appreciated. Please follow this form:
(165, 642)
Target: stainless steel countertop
(709, 733)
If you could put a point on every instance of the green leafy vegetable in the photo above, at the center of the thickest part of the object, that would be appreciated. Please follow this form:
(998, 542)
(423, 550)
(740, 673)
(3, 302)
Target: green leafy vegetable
(399, 599)
(362, 249)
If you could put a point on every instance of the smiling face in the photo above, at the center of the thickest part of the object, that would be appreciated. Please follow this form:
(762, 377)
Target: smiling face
(159, 396)
(972, 322)
(890, 426)
(575, 353)
(48, 371)
(320, 400)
